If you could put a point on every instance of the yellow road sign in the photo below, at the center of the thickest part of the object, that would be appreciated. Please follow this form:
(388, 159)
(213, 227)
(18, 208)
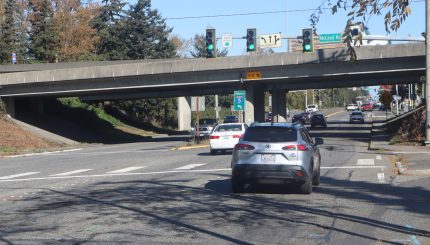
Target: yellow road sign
(253, 75)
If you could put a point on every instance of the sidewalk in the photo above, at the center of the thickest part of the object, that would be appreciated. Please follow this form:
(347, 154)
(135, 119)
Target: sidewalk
(411, 159)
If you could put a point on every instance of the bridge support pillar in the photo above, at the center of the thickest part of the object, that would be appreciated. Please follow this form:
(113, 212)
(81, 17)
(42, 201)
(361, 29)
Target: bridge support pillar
(10, 106)
(279, 105)
(254, 104)
(184, 113)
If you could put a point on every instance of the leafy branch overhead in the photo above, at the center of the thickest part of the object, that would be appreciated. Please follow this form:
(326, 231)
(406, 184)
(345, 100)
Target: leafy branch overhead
(395, 13)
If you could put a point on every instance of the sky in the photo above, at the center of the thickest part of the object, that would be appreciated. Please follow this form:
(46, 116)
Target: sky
(288, 23)
(294, 16)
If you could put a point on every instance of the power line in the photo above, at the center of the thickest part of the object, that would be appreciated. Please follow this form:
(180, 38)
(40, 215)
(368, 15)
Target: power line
(257, 13)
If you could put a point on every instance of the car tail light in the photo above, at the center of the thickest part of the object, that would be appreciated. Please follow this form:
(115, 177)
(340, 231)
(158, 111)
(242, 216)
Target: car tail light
(245, 147)
(300, 173)
(295, 147)
(214, 137)
(237, 136)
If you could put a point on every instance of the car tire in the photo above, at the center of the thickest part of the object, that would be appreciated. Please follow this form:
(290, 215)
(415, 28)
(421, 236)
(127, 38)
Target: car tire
(213, 152)
(237, 186)
(316, 180)
(306, 187)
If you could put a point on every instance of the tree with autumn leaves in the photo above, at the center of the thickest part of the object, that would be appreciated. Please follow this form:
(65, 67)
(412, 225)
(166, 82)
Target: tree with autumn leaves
(70, 30)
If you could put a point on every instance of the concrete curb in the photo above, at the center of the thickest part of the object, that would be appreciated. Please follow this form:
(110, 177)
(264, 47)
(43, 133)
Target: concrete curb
(404, 171)
(189, 147)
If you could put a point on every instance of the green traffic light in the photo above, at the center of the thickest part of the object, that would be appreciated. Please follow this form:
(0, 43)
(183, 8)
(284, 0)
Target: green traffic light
(210, 47)
(251, 46)
(307, 47)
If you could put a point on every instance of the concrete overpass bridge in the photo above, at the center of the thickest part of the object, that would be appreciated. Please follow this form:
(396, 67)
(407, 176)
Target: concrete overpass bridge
(277, 73)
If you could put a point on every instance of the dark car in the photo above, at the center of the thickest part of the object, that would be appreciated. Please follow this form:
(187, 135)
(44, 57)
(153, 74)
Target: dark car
(318, 120)
(308, 115)
(231, 119)
(206, 126)
(299, 118)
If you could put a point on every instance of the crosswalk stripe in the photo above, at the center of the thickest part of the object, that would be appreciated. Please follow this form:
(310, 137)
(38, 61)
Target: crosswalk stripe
(125, 170)
(18, 175)
(190, 166)
(378, 157)
(366, 162)
(72, 172)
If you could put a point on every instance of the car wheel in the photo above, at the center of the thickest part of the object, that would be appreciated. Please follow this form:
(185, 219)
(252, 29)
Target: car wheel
(316, 179)
(213, 152)
(306, 187)
(237, 186)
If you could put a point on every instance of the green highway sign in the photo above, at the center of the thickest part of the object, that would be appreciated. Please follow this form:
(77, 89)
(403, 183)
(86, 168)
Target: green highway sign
(331, 38)
(239, 100)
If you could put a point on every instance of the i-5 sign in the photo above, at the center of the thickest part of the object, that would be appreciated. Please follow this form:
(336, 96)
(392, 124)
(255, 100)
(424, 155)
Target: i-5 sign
(239, 100)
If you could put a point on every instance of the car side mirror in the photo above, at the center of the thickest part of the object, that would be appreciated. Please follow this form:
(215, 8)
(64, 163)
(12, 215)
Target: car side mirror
(319, 141)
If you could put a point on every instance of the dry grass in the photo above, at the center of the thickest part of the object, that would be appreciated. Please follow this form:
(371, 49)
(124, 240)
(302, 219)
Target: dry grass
(15, 140)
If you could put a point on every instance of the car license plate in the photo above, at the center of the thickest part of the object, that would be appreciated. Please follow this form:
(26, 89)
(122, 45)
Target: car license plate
(268, 158)
(225, 137)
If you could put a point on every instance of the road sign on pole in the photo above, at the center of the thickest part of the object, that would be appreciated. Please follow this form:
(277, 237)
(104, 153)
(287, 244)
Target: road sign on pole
(227, 40)
(330, 38)
(271, 41)
(201, 104)
(239, 100)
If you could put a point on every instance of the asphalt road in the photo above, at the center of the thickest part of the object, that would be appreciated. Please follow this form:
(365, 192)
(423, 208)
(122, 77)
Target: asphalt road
(147, 193)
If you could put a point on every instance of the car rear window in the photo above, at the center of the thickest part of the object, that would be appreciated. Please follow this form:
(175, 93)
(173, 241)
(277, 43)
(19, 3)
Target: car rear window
(270, 134)
(357, 114)
(230, 127)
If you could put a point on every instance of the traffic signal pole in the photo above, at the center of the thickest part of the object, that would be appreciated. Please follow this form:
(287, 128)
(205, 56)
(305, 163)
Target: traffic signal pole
(427, 94)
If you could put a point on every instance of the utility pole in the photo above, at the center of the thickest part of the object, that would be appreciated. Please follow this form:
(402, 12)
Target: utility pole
(216, 108)
(427, 142)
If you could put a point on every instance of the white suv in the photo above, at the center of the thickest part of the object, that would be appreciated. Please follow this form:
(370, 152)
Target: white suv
(312, 108)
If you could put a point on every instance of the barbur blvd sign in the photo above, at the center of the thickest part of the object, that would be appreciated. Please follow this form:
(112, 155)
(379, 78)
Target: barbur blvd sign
(330, 38)
(239, 100)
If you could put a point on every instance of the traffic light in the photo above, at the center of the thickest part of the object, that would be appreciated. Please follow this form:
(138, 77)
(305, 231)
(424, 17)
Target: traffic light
(308, 40)
(210, 43)
(251, 40)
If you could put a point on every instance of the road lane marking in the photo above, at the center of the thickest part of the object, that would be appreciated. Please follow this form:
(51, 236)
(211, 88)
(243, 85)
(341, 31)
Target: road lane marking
(42, 153)
(381, 177)
(367, 162)
(378, 157)
(72, 172)
(190, 166)
(165, 172)
(125, 170)
(120, 174)
(18, 175)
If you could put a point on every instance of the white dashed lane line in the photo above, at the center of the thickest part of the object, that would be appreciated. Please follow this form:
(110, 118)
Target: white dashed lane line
(366, 162)
(125, 170)
(190, 166)
(18, 175)
(378, 157)
(72, 172)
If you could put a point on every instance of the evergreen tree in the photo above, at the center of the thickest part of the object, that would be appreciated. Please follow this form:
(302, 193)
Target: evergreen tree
(8, 34)
(109, 24)
(44, 41)
(147, 33)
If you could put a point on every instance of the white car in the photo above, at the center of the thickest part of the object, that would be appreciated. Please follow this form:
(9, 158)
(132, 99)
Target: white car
(225, 136)
(312, 108)
(352, 107)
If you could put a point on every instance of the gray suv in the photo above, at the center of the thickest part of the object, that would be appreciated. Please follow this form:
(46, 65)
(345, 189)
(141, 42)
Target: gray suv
(276, 153)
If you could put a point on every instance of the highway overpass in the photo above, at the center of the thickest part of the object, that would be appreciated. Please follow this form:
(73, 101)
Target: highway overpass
(278, 73)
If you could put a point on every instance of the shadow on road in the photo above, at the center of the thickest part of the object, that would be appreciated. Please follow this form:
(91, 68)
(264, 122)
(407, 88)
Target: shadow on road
(154, 209)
